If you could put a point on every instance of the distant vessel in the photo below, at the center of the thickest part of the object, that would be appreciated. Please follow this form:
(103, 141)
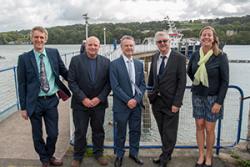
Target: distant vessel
(2, 57)
(185, 45)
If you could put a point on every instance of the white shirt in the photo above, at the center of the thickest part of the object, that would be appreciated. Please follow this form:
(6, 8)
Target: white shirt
(132, 77)
(160, 59)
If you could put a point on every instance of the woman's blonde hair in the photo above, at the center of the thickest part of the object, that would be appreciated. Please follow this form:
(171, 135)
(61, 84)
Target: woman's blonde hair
(215, 45)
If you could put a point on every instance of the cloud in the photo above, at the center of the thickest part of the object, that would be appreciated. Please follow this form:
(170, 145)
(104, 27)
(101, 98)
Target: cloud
(17, 15)
(196, 9)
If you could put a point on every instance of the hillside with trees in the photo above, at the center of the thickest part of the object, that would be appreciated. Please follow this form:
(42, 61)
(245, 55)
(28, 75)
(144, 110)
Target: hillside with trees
(231, 30)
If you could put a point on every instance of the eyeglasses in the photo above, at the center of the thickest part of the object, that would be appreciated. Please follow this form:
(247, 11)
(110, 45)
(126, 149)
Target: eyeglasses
(164, 41)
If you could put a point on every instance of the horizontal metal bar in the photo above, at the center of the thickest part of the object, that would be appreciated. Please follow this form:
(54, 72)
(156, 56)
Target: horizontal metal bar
(5, 110)
(6, 69)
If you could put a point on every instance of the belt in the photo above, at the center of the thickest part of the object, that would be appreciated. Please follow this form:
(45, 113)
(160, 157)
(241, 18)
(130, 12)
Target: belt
(46, 97)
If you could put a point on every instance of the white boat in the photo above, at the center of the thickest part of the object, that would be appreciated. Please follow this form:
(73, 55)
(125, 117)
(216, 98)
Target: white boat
(185, 45)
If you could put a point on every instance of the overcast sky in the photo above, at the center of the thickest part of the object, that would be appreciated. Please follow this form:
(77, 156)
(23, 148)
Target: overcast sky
(24, 14)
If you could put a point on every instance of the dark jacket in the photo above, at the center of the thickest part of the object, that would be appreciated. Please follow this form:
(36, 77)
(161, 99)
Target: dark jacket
(28, 77)
(171, 86)
(121, 84)
(218, 76)
(81, 84)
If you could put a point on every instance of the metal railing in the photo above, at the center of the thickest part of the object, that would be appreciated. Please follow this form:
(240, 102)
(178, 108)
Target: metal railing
(8, 91)
(225, 137)
(12, 90)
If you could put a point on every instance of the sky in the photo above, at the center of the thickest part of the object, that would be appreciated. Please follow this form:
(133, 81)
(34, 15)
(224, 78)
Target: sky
(25, 14)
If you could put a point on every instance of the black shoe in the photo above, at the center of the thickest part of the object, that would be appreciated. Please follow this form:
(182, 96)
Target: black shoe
(198, 165)
(205, 165)
(136, 159)
(158, 160)
(163, 164)
(118, 162)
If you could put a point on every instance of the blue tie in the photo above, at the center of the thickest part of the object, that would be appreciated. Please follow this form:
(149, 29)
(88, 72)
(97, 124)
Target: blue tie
(162, 65)
(43, 77)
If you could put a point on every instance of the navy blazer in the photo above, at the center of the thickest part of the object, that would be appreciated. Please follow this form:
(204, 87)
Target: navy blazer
(121, 85)
(28, 77)
(81, 84)
(172, 83)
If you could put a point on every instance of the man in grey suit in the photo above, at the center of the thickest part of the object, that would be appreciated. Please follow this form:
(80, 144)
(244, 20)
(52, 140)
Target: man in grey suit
(89, 83)
(167, 77)
(128, 85)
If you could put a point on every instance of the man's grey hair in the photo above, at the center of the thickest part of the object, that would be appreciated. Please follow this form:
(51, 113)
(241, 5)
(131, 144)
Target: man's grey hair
(127, 37)
(161, 34)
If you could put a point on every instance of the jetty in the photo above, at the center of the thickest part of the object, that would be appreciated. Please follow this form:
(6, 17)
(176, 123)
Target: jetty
(16, 145)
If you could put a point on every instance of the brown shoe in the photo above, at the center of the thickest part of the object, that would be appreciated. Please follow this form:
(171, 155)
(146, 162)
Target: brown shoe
(102, 160)
(75, 163)
(55, 162)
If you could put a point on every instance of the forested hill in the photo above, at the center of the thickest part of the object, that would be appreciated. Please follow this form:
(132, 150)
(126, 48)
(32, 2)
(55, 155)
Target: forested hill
(232, 30)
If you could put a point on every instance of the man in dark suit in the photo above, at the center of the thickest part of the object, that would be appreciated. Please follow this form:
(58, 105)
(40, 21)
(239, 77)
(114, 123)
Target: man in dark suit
(168, 78)
(128, 85)
(38, 82)
(89, 83)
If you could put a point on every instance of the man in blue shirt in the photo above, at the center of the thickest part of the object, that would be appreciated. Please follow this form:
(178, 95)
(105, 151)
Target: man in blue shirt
(38, 82)
(128, 86)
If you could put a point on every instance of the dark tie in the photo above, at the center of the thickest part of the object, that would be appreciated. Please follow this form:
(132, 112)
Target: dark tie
(43, 77)
(162, 65)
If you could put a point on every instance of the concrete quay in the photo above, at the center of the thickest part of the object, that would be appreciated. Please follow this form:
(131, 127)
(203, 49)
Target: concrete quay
(16, 147)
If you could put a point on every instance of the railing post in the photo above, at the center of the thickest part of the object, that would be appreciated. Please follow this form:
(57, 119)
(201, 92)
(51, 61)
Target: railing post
(240, 115)
(16, 87)
(248, 133)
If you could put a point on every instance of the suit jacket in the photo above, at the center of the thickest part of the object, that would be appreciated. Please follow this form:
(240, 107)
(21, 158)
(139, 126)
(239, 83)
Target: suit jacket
(28, 77)
(171, 85)
(121, 85)
(81, 84)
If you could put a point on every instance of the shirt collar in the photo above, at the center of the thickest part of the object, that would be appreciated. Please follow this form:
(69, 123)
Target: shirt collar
(38, 53)
(126, 59)
(167, 55)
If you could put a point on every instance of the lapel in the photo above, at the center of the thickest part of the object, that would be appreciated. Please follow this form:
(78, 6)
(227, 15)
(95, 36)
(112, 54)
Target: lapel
(86, 66)
(169, 65)
(169, 62)
(124, 68)
(155, 65)
(33, 62)
(51, 60)
(136, 72)
(98, 69)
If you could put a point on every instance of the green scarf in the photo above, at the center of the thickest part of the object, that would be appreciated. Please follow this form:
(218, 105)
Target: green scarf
(201, 73)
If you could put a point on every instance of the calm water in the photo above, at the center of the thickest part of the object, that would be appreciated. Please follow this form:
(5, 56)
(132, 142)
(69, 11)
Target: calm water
(239, 75)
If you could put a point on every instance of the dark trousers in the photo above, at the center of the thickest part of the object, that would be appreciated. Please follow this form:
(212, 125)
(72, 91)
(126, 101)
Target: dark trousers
(133, 119)
(167, 123)
(46, 109)
(81, 120)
